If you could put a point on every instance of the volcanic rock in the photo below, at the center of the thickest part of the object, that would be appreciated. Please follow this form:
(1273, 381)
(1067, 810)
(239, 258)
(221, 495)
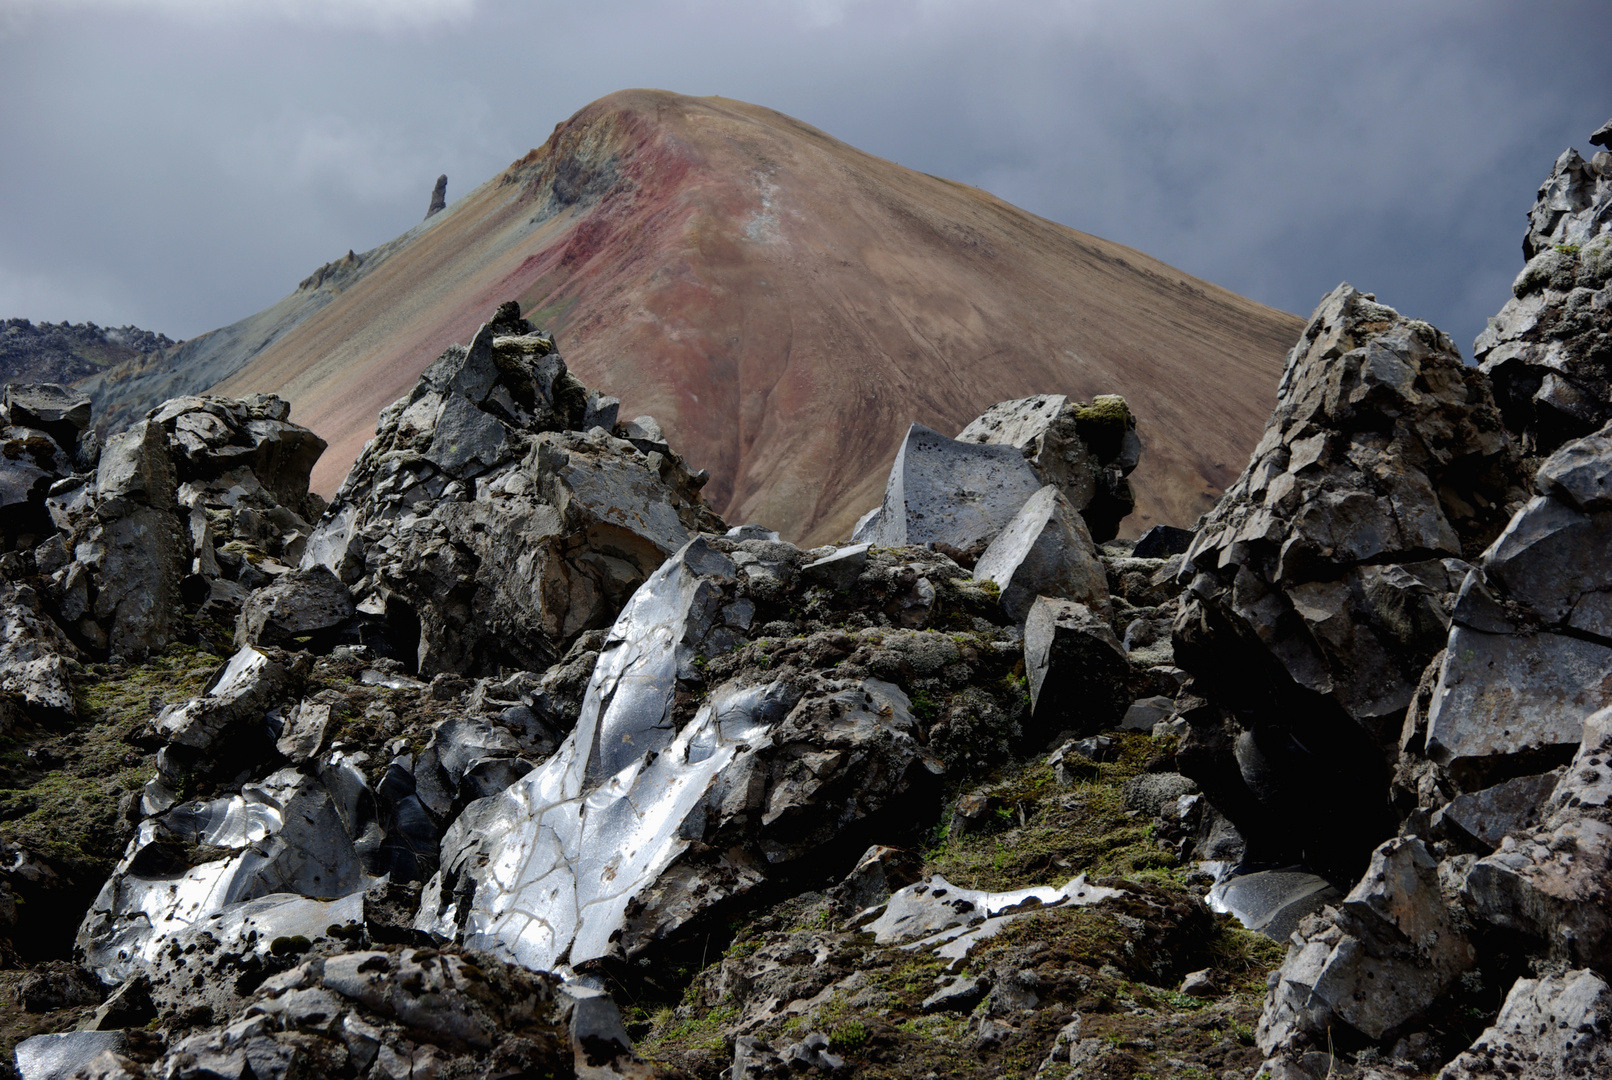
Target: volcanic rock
(1322, 580)
(1550, 881)
(1044, 550)
(943, 491)
(1529, 656)
(34, 657)
(1552, 1028)
(1546, 350)
(1086, 451)
(600, 827)
(1077, 669)
(439, 196)
(481, 512)
(297, 604)
(1389, 951)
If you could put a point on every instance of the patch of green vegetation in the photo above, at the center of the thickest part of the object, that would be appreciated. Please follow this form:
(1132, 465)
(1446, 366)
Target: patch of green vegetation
(1065, 831)
(1567, 249)
(62, 802)
(1105, 409)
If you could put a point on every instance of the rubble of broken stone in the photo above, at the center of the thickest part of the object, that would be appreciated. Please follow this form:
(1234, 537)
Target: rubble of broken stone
(519, 703)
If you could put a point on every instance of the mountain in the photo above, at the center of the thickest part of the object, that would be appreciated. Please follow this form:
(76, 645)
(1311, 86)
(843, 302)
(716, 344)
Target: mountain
(784, 304)
(66, 352)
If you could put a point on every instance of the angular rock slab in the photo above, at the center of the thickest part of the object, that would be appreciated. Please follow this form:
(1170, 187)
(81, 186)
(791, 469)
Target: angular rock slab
(298, 604)
(58, 1057)
(948, 492)
(1272, 902)
(1087, 451)
(1044, 551)
(1485, 817)
(1389, 953)
(1555, 1028)
(33, 656)
(1504, 694)
(579, 859)
(1076, 666)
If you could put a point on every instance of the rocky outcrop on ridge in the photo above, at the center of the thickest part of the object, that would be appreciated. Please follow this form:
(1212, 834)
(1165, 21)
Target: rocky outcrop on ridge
(1549, 350)
(495, 509)
(439, 196)
(65, 352)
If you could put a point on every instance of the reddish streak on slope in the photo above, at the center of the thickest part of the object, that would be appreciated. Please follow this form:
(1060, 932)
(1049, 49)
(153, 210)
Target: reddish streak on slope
(785, 305)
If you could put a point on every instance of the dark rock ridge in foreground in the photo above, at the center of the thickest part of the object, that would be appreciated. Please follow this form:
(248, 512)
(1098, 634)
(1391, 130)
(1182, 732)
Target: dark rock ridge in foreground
(519, 762)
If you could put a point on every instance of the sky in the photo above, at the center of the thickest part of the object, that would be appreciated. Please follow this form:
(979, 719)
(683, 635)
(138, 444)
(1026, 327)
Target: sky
(179, 164)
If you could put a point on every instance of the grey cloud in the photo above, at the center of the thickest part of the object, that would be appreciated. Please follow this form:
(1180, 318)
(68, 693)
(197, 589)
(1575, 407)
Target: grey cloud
(179, 170)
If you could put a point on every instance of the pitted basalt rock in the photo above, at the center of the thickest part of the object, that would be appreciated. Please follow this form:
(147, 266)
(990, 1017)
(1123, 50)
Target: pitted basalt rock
(1385, 954)
(1550, 881)
(34, 657)
(1529, 656)
(1552, 1028)
(944, 491)
(1322, 580)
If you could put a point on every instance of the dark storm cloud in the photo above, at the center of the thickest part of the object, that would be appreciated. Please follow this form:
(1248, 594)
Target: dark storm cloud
(181, 163)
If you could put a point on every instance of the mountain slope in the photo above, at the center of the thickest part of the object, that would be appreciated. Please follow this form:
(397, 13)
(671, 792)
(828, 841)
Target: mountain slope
(785, 305)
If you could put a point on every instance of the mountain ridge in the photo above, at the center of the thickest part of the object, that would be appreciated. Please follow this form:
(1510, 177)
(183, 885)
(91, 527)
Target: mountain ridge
(783, 303)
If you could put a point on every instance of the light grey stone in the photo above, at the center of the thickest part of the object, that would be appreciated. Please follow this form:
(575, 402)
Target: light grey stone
(1152, 793)
(1502, 694)
(33, 656)
(838, 571)
(1273, 901)
(1045, 550)
(944, 491)
(1147, 713)
(1554, 1028)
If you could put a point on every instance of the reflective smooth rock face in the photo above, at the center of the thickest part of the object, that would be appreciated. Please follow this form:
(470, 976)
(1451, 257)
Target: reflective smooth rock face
(583, 857)
(494, 510)
(58, 1057)
(1321, 582)
(287, 834)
